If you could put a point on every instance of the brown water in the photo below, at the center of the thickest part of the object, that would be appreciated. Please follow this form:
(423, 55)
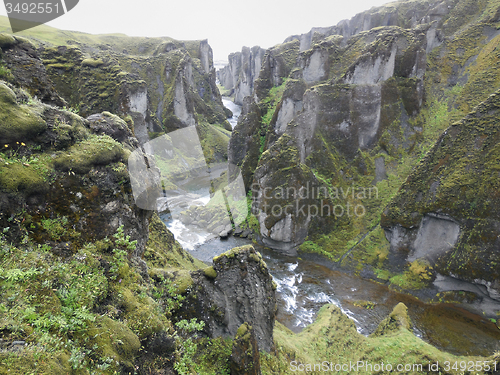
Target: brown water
(307, 282)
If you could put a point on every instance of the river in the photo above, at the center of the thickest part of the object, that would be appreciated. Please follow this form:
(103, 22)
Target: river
(307, 282)
(235, 108)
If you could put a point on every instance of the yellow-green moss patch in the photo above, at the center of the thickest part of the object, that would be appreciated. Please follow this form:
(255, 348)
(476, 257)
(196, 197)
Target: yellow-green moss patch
(18, 123)
(96, 150)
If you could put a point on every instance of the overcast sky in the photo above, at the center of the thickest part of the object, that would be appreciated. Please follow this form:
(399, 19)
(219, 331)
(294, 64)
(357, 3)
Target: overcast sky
(227, 24)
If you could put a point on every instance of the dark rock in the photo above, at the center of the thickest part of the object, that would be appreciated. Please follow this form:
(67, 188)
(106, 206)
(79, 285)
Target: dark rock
(242, 71)
(241, 292)
(23, 60)
(159, 343)
(245, 358)
(112, 125)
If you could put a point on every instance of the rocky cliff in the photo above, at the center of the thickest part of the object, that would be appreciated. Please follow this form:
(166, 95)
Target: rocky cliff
(98, 280)
(241, 72)
(446, 211)
(91, 283)
(345, 113)
(237, 289)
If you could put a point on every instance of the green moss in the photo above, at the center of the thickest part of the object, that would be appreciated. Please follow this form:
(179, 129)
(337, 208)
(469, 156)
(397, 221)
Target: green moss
(210, 272)
(214, 142)
(18, 123)
(243, 329)
(333, 338)
(21, 177)
(364, 304)
(141, 312)
(59, 229)
(66, 66)
(183, 281)
(214, 355)
(417, 276)
(29, 362)
(255, 257)
(113, 339)
(95, 150)
(94, 63)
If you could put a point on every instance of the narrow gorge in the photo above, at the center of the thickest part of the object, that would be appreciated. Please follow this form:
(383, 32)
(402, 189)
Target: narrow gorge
(330, 201)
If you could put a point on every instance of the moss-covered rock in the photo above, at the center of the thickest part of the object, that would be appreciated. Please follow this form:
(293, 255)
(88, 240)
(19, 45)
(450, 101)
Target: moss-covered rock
(245, 358)
(19, 123)
(398, 319)
(96, 150)
(464, 156)
(242, 283)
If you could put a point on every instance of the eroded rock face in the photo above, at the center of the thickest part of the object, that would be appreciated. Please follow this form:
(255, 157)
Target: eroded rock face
(236, 290)
(115, 127)
(241, 72)
(277, 64)
(376, 97)
(243, 147)
(404, 15)
(206, 56)
(22, 58)
(315, 67)
(457, 229)
(183, 104)
(245, 358)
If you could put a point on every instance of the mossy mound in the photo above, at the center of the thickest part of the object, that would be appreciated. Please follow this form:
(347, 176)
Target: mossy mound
(96, 150)
(398, 319)
(21, 177)
(19, 123)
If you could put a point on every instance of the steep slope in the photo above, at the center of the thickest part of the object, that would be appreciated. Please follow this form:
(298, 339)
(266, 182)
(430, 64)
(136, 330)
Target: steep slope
(446, 212)
(340, 116)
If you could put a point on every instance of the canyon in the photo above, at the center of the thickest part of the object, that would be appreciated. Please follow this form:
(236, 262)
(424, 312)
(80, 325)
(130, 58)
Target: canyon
(371, 144)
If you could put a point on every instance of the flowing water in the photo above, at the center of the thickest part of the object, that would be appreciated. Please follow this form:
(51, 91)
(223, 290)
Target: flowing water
(235, 108)
(308, 281)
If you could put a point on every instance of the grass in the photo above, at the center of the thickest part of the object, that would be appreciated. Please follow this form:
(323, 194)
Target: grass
(332, 340)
